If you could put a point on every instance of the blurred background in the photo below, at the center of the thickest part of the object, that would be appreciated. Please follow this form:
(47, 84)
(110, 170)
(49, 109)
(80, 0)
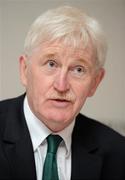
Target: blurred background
(108, 104)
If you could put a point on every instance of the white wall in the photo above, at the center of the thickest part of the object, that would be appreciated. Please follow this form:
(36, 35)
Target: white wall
(16, 16)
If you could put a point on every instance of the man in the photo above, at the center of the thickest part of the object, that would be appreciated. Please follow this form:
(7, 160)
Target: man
(61, 67)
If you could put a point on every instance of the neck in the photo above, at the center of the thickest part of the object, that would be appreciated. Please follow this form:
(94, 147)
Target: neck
(56, 126)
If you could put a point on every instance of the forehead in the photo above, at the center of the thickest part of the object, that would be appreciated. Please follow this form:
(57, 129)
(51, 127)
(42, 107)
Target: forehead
(60, 48)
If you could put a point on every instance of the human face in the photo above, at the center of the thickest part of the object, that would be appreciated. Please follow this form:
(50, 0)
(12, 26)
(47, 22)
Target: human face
(58, 79)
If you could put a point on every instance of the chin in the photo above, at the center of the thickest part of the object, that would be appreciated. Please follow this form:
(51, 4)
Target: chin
(59, 117)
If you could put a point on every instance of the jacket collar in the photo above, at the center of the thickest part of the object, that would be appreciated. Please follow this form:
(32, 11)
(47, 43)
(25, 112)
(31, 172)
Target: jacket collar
(86, 161)
(17, 143)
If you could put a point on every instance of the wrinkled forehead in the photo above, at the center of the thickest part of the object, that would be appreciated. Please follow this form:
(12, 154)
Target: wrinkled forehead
(62, 47)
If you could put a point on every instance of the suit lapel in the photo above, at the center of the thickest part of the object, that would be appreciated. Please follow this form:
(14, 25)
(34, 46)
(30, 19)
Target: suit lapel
(17, 144)
(86, 163)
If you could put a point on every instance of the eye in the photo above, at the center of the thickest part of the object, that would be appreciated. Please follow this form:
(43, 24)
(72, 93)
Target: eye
(51, 64)
(79, 70)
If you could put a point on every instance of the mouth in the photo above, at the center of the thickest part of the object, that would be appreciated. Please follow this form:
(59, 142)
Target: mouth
(60, 103)
(61, 100)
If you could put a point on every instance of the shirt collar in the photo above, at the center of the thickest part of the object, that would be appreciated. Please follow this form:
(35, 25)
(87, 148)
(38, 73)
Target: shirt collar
(39, 132)
(66, 135)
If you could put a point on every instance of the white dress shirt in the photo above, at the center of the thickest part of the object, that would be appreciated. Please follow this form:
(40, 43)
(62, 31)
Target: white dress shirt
(39, 132)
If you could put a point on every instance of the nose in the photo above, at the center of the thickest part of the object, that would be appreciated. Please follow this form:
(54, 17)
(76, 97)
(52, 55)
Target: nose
(61, 83)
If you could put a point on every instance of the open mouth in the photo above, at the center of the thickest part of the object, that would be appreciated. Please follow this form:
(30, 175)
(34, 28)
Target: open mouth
(61, 100)
(62, 103)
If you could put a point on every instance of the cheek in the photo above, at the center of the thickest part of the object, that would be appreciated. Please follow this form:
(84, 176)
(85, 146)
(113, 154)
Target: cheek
(34, 84)
(36, 92)
(34, 80)
(82, 91)
(39, 86)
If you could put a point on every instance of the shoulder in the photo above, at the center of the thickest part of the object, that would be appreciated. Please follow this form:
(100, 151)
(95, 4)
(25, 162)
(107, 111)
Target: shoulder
(10, 111)
(98, 132)
(7, 104)
(84, 122)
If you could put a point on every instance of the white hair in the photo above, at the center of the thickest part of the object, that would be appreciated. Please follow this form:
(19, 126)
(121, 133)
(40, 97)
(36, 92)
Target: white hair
(72, 26)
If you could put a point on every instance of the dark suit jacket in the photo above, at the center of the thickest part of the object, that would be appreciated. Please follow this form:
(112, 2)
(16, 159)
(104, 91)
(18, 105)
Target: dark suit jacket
(97, 151)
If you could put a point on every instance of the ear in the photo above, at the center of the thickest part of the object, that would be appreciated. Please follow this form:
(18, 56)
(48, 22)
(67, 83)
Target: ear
(23, 69)
(96, 81)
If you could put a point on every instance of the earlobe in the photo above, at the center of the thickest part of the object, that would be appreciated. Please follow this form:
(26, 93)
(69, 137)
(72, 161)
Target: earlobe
(96, 81)
(23, 69)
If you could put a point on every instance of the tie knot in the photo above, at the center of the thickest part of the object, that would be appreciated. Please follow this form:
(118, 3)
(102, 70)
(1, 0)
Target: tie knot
(53, 143)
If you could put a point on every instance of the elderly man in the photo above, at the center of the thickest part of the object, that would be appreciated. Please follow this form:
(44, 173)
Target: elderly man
(42, 134)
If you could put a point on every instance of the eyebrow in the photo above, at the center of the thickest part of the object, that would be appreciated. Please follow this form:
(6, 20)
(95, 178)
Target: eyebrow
(51, 55)
(86, 62)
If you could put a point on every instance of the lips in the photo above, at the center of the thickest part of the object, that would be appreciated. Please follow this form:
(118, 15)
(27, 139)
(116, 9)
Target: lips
(60, 103)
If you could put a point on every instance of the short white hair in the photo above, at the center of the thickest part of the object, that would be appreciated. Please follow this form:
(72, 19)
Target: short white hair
(71, 25)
